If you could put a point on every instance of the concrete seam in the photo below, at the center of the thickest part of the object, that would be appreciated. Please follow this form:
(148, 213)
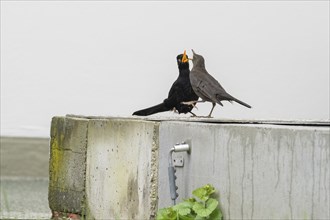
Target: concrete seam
(291, 179)
(243, 177)
(313, 176)
(65, 189)
(83, 201)
(154, 172)
(67, 149)
(252, 179)
(229, 184)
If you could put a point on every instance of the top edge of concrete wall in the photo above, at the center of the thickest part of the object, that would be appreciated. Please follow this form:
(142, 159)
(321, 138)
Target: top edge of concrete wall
(213, 120)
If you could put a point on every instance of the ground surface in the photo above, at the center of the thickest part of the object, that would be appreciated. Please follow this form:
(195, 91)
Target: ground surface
(24, 178)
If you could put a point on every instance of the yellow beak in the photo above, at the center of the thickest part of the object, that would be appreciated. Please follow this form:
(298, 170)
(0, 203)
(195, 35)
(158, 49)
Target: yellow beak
(184, 57)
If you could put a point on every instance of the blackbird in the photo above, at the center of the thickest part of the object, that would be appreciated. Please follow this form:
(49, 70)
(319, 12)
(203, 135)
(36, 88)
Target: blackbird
(207, 87)
(181, 91)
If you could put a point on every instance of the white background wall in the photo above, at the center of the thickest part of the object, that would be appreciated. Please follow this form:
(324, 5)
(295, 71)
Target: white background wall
(111, 58)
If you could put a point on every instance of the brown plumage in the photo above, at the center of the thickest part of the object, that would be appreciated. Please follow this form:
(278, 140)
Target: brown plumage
(207, 87)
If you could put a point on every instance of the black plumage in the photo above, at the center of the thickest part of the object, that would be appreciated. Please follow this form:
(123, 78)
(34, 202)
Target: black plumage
(181, 91)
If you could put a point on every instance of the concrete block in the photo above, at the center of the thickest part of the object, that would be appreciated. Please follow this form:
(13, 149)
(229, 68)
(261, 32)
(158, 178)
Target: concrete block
(122, 169)
(116, 168)
(67, 165)
(260, 171)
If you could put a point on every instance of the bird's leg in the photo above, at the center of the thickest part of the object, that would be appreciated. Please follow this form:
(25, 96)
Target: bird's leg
(193, 114)
(213, 105)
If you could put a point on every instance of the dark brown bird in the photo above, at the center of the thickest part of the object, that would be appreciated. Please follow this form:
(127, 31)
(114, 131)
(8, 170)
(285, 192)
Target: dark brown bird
(207, 87)
(181, 91)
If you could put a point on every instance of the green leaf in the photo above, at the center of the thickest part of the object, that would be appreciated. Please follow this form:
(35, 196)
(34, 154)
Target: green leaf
(205, 211)
(200, 218)
(183, 208)
(191, 200)
(204, 192)
(201, 210)
(186, 217)
(216, 214)
(212, 204)
(166, 214)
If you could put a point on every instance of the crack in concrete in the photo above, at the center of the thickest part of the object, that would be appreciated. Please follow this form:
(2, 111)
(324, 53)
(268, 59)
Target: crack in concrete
(70, 150)
(291, 146)
(326, 172)
(229, 185)
(252, 180)
(313, 176)
(320, 173)
(242, 182)
(278, 163)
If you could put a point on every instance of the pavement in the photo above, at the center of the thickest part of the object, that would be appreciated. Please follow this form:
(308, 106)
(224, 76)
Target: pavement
(24, 198)
(24, 178)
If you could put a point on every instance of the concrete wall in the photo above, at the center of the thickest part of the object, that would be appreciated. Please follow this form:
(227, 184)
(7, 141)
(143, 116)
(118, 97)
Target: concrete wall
(260, 171)
(122, 169)
(104, 168)
(67, 164)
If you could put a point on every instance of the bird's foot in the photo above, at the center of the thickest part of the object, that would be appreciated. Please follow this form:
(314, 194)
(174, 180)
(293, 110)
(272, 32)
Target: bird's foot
(208, 116)
(196, 116)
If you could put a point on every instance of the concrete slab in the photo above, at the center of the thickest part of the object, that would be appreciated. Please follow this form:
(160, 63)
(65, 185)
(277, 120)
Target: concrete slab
(260, 171)
(186, 118)
(67, 164)
(122, 169)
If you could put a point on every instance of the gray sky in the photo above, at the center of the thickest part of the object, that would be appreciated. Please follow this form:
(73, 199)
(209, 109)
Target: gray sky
(113, 58)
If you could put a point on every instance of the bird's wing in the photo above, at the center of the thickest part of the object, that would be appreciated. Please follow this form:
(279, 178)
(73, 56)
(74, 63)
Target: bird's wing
(181, 91)
(206, 86)
(175, 93)
(217, 92)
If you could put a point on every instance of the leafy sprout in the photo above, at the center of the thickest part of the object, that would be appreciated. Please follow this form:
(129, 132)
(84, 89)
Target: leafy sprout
(202, 208)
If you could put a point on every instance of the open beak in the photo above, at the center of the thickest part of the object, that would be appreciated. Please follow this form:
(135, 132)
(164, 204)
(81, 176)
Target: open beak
(184, 57)
(193, 54)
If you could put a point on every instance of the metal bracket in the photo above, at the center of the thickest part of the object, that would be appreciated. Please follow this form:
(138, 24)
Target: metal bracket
(178, 161)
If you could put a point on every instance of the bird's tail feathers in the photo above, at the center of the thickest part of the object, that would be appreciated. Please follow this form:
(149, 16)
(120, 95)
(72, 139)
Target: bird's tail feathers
(231, 98)
(152, 110)
(241, 102)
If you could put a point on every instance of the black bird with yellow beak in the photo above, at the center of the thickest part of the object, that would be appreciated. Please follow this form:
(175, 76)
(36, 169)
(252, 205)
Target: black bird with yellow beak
(181, 91)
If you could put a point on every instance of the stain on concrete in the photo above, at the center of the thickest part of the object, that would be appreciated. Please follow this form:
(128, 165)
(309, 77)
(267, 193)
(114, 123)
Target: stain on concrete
(67, 165)
(132, 196)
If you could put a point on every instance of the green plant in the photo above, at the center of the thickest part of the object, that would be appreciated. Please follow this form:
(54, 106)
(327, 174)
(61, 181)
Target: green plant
(202, 208)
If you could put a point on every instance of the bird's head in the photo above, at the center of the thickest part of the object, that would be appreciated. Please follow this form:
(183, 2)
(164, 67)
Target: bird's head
(182, 60)
(197, 60)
